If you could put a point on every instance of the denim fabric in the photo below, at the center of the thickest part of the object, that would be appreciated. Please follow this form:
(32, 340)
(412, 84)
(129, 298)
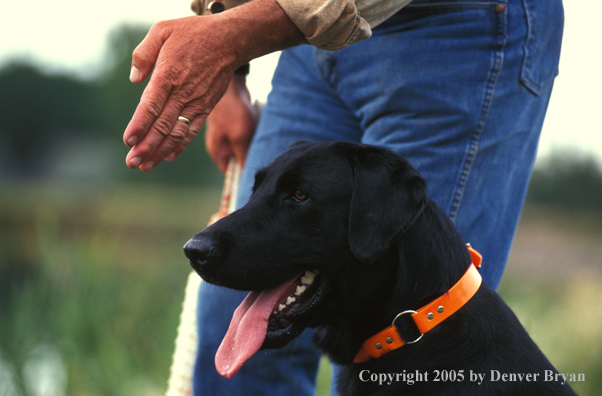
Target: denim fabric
(460, 88)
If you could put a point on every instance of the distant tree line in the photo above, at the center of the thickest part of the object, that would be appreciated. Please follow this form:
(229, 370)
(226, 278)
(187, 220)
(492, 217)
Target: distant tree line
(61, 126)
(567, 179)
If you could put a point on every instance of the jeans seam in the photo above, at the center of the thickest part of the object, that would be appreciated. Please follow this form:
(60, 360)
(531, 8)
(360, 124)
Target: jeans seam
(473, 143)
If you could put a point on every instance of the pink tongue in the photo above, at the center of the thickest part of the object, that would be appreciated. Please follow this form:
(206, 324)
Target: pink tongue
(247, 329)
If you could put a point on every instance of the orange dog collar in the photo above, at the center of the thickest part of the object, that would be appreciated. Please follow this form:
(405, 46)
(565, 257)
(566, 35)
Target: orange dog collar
(428, 316)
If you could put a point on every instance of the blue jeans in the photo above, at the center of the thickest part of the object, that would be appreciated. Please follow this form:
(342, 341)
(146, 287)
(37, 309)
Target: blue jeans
(460, 88)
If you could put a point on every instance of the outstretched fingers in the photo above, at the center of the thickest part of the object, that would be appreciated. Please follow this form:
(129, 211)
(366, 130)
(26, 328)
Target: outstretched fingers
(167, 130)
(148, 110)
(154, 123)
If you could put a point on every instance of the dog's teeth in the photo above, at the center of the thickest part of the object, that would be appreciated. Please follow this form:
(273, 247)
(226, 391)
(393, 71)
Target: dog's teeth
(290, 300)
(300, 290)
(281, 307)
(308, 278)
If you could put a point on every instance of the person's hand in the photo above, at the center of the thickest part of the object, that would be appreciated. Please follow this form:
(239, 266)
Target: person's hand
(231, 125)
(194, 59)
(192, 70)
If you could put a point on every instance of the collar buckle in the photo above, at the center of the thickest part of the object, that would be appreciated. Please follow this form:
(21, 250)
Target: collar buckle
(400, 315)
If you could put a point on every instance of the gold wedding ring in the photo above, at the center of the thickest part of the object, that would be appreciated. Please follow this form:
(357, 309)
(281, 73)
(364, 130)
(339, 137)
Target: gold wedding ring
(184, 120)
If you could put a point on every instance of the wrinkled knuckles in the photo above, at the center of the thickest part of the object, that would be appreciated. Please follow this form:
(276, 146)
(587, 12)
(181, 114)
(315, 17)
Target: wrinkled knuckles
(187, 139)
(153, 109)
(177, 135)
(191, 135)
(162, 127)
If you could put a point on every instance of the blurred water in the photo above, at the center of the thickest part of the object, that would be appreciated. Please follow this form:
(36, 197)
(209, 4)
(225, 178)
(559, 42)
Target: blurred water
(44, 374)
(8, 383)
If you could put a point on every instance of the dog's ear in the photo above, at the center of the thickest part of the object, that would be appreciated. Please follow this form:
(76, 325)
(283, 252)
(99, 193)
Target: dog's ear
(388, 194)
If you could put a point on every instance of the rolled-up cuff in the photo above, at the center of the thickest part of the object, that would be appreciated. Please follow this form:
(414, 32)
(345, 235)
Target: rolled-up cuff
(329, 25)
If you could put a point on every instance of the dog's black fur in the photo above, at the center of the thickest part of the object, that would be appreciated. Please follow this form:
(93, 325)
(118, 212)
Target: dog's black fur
(382, 247)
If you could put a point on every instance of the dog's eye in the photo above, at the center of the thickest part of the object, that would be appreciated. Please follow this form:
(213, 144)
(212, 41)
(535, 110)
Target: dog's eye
(299, 196)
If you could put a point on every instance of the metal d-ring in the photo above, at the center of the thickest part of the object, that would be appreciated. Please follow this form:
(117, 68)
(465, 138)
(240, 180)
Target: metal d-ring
(404, 313)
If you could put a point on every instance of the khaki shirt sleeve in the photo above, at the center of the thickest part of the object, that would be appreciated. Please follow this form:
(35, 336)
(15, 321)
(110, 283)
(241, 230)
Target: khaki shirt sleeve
(335, 24)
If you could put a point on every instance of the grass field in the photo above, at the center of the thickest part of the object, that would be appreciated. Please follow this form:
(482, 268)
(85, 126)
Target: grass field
(91, 282)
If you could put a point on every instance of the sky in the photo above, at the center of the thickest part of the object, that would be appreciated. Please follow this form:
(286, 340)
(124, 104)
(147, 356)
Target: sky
(69, 36)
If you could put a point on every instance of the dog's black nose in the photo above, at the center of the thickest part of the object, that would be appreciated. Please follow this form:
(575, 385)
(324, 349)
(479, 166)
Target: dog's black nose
(199, 251)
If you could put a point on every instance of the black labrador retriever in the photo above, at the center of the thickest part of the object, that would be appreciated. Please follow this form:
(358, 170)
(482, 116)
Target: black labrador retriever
(343, 238)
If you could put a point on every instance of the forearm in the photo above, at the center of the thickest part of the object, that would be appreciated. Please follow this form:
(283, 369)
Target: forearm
(326, 24)
(258, 28)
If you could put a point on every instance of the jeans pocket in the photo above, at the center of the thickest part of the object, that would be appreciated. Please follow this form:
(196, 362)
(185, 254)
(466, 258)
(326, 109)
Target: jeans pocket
(545, 23)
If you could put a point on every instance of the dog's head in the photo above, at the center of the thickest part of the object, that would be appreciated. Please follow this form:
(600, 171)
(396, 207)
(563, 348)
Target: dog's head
(306, 243)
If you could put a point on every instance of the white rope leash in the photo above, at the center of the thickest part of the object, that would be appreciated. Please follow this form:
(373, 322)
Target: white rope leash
(182, 366)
